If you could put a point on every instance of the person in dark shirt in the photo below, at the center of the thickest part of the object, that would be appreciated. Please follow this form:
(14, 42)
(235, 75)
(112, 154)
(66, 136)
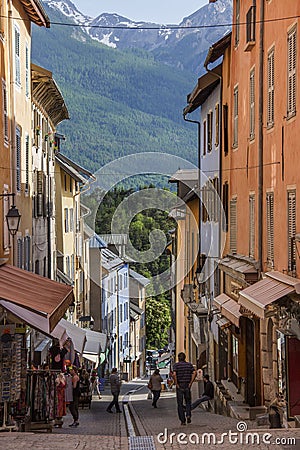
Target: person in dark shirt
(184, 375)
(208, 393)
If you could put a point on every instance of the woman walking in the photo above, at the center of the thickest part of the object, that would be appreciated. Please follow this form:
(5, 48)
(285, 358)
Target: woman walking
(73, 406)
(155, 382)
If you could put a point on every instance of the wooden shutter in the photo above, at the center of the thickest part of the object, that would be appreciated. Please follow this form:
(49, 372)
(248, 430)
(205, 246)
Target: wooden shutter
(27, 163)
(252, 104)
(270, 230)
(225, 128)
(18, 159)
(251, 225)
(66, 213)
(17, 57)
(235, 115)
(204, 137)
(27, 252)
(237, 22)
(40, 193)
(5, 112)
(20, 256)
(292, 48)
(209, 130)
(27, 72)
(233, 225)
(225, 206)
(291, 231)
(217, 124)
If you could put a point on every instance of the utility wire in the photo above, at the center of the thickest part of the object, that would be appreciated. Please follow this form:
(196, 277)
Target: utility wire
(159, 27)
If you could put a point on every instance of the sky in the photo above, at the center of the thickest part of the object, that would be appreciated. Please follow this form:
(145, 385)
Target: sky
(158, 11)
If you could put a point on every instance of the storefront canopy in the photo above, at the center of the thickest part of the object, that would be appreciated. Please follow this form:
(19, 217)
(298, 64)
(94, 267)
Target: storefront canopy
(257, 297)
(228, 307)
(75, 333)
(35, 321)
(38, 294)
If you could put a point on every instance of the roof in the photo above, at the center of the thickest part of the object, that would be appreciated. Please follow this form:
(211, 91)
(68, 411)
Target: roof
(185, 175)
(136, 309)
(77, 172)
(47, 95)
(115, 239)
(217, 49)
(139, 278)
(45, 297)
(204, 87)
(239, 265)
(96, 242)
(257, 297)
(109, 260)
(36, 12)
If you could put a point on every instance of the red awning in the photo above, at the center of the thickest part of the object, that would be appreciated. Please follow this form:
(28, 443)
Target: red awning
(45, 297)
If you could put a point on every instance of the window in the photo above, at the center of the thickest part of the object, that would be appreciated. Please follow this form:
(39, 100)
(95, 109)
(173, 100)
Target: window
(217, 131)
(250, 25)
(209, 131)
(270, 99)
(65, 181)
(121, 313)
(233, 225)
(71, 185)
(235, 115)
(252, 104)
(292, 48)
(66, 220)
(27, 72)
(18, 159)
(237, 22)
(27, 163)
(291, 231)
(225, 128)
(68, 266)
(72, 267)
(17, 57)
(270, 230)
(37, 267)
(204, 137)
(251, 225)
(5, 112)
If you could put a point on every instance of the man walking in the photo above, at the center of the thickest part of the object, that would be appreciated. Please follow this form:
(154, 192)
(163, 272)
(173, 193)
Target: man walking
(208, 393)
(115, 386)
(184, 375)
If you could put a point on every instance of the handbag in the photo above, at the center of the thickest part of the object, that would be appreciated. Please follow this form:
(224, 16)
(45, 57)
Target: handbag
(149, 385)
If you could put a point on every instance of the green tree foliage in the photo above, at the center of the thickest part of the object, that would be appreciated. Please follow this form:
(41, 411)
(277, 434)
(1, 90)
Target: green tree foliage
(158, 321)
(120, 102)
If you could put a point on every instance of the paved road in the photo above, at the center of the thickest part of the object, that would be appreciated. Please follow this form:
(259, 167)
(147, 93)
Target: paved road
(100, 430)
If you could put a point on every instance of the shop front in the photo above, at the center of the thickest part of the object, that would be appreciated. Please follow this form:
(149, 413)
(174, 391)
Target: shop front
(27, 301)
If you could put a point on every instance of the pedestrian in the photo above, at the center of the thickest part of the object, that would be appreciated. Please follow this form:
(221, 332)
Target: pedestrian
(61, 400)
(155, 381)
(115, 387)
(208, 393)
(74, 404)
(184, 375)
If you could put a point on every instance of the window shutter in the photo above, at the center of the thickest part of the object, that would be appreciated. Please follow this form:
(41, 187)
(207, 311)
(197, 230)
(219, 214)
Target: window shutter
(291, 231)
(18, 159)
(225, 127)
(233, 225)
(66, 220)
(217, 124)
(237, 22)
(27, 72)
(270, 230)
(270, 99)
(204, 137)
(235, 116)
(225, 206)
(292, 48)
(40, 195)
(251, 226)
(17, 57)
(27, 163)
(252, 104)
(5, 112)
(27, 251)
(209, 130)
(20, 253)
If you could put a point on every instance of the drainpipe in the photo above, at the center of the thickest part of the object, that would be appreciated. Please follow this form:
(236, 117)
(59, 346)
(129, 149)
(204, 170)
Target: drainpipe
(260, 135)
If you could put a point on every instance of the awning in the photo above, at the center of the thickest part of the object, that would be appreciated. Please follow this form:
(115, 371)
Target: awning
(38, 294)
(35, 321)
(95, 342)
(231, 310)
(223, 323)
(92, 358)
(257, 297)
(75, 333)
(218, 301)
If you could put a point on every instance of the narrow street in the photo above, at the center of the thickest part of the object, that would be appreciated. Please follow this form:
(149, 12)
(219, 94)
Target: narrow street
(153, 428)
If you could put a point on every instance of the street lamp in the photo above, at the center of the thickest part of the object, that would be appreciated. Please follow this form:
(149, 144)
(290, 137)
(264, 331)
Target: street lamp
(13, 216)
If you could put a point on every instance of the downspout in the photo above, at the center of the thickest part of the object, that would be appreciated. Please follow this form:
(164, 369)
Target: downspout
(260, 136)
